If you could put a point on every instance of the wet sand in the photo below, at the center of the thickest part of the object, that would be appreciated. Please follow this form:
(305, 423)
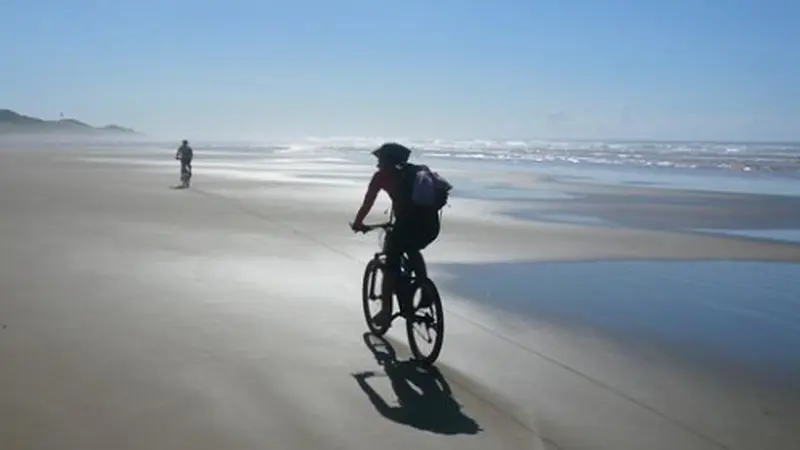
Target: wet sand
(228, 316)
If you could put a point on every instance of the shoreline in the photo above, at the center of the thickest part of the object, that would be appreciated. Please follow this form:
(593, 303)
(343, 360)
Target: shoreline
(545, 293)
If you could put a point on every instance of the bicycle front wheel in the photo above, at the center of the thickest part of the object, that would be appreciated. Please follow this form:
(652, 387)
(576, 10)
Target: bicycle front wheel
(370, 298)
(425, 327)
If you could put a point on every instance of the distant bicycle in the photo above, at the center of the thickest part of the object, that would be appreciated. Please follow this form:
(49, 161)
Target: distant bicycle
(186, 173)
(424, 314)
(186, 176)
(185, 154)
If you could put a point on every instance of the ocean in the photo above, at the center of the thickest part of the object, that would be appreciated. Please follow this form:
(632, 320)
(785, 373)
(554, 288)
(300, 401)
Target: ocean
(765, 168)
(755, 172)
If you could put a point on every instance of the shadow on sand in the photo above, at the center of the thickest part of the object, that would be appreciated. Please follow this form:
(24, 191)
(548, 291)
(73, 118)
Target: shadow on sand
(424, 398)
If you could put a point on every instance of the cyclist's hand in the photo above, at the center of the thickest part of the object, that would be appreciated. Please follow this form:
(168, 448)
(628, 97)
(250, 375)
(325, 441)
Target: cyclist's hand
(358, 227)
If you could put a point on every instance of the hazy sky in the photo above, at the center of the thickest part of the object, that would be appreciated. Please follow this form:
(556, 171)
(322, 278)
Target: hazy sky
(679, 69)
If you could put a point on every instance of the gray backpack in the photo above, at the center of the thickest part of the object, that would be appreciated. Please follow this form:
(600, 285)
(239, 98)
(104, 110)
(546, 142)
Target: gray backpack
(427, 189)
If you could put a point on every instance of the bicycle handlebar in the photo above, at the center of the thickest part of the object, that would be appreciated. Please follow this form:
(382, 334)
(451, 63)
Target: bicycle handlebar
(367, 228)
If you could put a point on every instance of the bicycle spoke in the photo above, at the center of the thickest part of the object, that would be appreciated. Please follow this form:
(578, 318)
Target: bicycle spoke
(426, 336)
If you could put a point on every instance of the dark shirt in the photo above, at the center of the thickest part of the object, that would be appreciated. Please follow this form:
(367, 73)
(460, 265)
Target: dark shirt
(185, 153)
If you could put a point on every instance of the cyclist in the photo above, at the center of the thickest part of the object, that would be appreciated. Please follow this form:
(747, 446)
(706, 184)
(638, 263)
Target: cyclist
(185, 155)
(414, 228)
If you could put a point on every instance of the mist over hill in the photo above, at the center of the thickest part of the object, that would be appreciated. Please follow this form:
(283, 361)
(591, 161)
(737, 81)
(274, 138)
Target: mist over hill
(14, 123)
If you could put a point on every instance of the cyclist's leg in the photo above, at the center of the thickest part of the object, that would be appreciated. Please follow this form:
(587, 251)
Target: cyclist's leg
(393, 253)
(417, 262)
(429, 229)
(402, 241)
(426, 230)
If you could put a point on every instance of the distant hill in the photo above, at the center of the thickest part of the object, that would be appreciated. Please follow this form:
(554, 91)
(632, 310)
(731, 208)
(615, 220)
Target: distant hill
(12, 122)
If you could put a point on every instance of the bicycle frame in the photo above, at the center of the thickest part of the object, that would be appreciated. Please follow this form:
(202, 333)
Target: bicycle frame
(404, 282)
(406, 270)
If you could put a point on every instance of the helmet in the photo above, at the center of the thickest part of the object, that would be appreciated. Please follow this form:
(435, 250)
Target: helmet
(185, 142)
(391, 154)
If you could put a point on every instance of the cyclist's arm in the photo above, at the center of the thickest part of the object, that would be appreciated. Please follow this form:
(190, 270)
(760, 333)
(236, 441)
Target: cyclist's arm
(369, 198)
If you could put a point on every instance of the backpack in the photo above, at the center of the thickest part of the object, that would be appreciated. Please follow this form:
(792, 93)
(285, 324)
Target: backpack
(426, 189)
(186, 152)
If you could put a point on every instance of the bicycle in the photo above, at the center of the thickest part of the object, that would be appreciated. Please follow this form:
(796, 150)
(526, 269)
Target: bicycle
(428, 311)
(186, 174)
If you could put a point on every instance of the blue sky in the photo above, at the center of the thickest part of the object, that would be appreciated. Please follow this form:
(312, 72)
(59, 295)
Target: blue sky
(714, 69)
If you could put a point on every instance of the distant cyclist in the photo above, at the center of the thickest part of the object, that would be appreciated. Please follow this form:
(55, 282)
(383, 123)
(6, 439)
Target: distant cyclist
(185, 155)
(415, 226)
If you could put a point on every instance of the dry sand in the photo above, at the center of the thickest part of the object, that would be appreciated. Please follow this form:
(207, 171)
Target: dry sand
(135, 316)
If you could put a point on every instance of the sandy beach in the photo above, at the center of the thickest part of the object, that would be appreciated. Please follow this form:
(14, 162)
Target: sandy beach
(227, 316)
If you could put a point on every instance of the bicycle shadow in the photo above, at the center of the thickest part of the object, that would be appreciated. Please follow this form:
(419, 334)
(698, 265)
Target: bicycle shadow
(425, 400)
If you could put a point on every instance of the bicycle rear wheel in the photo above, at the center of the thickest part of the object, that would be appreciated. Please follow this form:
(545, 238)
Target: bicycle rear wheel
(369, 298)
(427, 316)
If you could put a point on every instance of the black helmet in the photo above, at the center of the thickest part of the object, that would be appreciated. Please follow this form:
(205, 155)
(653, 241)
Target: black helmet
(392, 153)
(185, 142)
